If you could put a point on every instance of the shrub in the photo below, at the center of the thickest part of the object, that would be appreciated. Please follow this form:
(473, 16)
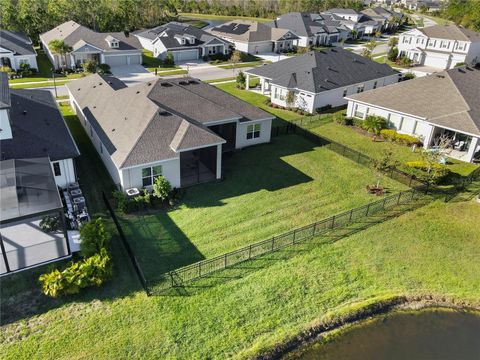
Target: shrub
(103, 69)
(437, 174)
(92, 271)
(90, 66)
(25, 70)
(241, 80)
(161, 188)
(407, 139)
(408, 76)
(169, 60)
(374, 123)
(392, 54)
(94, 238)
(50, 223)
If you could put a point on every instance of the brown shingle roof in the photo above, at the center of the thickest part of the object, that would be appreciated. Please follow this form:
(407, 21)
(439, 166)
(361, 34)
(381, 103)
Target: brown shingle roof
(450, 98)
(451, 32)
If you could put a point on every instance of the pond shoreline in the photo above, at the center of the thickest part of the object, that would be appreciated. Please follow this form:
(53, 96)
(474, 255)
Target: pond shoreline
(338, 322)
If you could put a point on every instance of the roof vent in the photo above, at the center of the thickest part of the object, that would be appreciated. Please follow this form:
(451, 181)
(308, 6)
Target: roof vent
(78, 89)
(24, 112)
(166, 84)
(94, 86)
(440, 76)
(149, 84)
(94, 106)
(461, 70)
(194, 82)
(183, 82)
(164, 113)
(138, 92)
(100, 83)
(113, 130)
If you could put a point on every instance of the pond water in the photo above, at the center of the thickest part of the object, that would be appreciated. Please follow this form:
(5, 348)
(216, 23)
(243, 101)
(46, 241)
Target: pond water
(435, 335)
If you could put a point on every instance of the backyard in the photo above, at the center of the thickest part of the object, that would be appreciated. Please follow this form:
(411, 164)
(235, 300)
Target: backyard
(268, 189)
(245, 311)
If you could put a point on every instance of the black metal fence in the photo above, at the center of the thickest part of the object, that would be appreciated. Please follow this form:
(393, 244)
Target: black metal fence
(179, 277)
(131, 254)
(354, 155)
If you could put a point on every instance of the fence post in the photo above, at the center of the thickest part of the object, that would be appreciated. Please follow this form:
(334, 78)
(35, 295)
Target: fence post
(350, 218)
(333, 221)
(410, 183)
(171, 279)
(358, 158)
(199, 269)
(398, 200)
(294, 235)
(273, 242)
(383, 204)
(225, 261)
(250, 252)
(368, 209)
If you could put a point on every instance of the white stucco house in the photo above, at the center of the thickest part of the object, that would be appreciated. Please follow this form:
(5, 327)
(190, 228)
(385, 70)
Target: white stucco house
(32, 126)
(253, 37)
(16, 48)
(177, 128)
(442, 104)
(114, 49)
(321, 78)
(440, 46)
(185, 42)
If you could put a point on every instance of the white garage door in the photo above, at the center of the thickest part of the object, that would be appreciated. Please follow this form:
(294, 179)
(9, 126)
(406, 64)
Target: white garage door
(185, 55)
(134, 59)
(438, 62)
(116, 60)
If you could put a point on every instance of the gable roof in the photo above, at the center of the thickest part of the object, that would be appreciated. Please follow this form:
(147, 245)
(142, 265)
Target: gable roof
(318, 71)
(17, 42)
(38, 128)
(76, 35)
(451, 32)
(302, 24)
(173, 29)
(343, 11)
(251, 31)
(450, 98)
(153, 121)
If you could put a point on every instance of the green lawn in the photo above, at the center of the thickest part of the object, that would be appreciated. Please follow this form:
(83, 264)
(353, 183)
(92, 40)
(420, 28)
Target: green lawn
(232, 78)
(242, 64)
(295, 184)
(220, 17)
(433, 250)
(350, 137)
(172, 72)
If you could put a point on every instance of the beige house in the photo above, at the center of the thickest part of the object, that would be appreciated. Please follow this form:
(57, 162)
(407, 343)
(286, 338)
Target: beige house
(443, 104)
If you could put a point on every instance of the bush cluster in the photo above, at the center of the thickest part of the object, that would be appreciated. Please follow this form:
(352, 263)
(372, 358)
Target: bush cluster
(404, 139)
(296, 110)
(437, 174)
(374, 124)
(323, 108)
(91, 271)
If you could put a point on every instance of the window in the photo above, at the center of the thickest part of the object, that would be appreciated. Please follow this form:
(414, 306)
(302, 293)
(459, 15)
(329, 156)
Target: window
(358, 112)
(375, 85)
(253, 131)
(360, 89)
(344, 92)
(56, 169)
(23, 61)
(149, 174)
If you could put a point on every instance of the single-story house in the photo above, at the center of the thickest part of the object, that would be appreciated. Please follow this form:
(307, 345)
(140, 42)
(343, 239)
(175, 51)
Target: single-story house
(16, 48)
(310, 28)
(185, 42)
(254, 37)
(386, 19)
(114, 48)
(32, 126)
(440, 46)
(442, 104)
(177, 128)
(321, 78)
(28, 193)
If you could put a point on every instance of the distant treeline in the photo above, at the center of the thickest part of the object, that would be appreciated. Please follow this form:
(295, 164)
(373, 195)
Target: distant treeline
(463, 12)
(37, 16)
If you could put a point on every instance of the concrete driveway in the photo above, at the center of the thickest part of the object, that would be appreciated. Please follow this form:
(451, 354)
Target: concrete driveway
(273, 57)
(132, 74)
(205, 71)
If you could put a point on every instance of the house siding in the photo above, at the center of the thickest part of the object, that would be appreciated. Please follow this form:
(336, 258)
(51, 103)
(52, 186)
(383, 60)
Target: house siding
(265, 133)
(132, 177)
(67, 172)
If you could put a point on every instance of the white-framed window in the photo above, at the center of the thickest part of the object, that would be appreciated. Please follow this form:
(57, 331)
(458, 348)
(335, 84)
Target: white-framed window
(344, 92)
(360, 89)
(375, 85)
(253, 131)
(358, 113)
(23, 61)
(56, 169)
(149, 174)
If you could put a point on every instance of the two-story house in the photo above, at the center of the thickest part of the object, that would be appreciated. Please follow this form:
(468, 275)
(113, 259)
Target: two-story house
(441, 46)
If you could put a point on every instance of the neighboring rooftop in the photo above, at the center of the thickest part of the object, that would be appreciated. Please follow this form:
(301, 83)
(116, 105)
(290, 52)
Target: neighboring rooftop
(451, 32)
(17, 42)
(77, 35)
(450, 98)
(4, 91)
(37, 125)
(318, 71)
(152, 121)
(27, 187)
(173, 29)
(301, 24)
(250, 31)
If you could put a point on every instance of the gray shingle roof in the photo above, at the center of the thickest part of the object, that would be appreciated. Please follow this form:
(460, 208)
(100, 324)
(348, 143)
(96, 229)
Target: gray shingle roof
(318, 71)
(251, 31)
(451, 32)
(4, 91)
(17, 42)
(151, 121)
(38, 128)
(302, 24)
(72, 33)
(175, 28)
(450, 98)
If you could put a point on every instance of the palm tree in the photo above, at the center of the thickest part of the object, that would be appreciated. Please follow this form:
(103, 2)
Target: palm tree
(354, 34)
(59, 47)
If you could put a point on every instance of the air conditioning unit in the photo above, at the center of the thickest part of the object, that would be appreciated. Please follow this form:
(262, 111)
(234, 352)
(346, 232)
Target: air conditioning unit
(132, 192)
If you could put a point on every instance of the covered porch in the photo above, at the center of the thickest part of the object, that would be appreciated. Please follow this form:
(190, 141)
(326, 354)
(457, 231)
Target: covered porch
(463, 147)
(200, 165)
(212, 49)
(77, 59)
(264, 86)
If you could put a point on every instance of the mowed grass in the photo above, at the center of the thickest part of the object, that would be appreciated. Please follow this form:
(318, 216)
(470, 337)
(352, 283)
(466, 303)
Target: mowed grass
(268, 190)
(433, 250)
(349, 137)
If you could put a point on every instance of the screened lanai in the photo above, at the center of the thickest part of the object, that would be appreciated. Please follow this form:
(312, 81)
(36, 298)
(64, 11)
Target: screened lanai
(28, 193)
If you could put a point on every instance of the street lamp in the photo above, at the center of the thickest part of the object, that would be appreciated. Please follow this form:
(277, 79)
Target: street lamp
(54, 83)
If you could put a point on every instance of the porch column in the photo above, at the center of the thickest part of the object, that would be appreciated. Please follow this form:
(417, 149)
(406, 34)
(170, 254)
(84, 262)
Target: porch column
(247, 84)
(471, 149)
(262, 85)
(219, 162)
(102, 59)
